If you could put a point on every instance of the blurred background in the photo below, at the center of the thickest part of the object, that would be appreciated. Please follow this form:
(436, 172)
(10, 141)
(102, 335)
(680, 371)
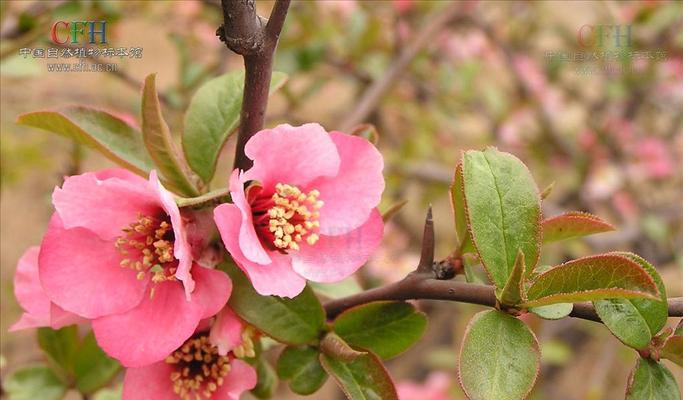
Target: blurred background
(588, 94)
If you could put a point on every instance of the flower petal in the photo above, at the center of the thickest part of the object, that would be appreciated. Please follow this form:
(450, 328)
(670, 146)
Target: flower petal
(295, 155)
(151, 331)
(181, 247)
(149, 382)
(248, 239)
(104, 206)
(242, 377)
(81, 273)
(162, 322)
(27, 287)
(277, 278)
(60, 318)
(334, 258)
(226, 332)
(212, 291)
(357, 188)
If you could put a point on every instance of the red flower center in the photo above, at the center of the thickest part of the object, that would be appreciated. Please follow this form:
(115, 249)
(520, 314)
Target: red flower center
(147, 245)
(198, 369)
(287, 217)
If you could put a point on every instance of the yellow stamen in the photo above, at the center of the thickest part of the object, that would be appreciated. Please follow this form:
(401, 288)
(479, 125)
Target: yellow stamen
(294, 212)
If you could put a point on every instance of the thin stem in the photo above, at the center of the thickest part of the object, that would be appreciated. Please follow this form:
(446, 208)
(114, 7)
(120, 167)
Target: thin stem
(245, 33)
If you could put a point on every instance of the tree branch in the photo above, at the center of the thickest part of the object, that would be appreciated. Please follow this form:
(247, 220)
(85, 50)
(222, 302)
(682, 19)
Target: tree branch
(423, 286)
(248, 35)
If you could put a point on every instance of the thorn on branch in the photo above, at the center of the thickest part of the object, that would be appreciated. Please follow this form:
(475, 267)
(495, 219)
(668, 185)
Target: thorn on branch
(427, 254)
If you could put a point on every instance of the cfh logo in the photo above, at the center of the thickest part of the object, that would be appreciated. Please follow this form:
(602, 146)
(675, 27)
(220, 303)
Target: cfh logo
(604, 35)
(79, 31)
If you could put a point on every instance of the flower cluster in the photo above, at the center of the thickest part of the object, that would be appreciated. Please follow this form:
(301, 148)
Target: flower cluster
(121, 256)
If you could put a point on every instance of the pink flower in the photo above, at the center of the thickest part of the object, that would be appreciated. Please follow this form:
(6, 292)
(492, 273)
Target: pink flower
(195, 370)
(39, 311)
(435, 388)
(116, 252)
(230, 333)
(310, 213)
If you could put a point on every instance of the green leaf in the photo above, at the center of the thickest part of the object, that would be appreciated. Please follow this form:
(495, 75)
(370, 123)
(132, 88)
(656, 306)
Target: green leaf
(393, 210)
(499, 358)
(572, 225)
(385, 328)
(459, 211)
(293, 321)
(651, 381)
(31, 383)
(366, 131)
(553, 311)
(160, 144)
(301, 367)
(266, 380)
(673, 349)
(362, 377)
(591, 278)
(213, 115)
(503, 211)
(513, 292)
(102, 131)
(336, 290)
(93, 368)
(60, 347)
(635, 321)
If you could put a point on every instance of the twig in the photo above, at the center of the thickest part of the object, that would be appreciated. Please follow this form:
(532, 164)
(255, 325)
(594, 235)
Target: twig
(423, 286)
(248, 35)
(380, 87)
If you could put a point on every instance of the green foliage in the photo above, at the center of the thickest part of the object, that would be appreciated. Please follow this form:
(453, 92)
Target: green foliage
(385, 328)
(553, 311)
(459, 211)
(77, 361)
(31, 383)
(60, 347)
(651, 380)
(93, 369)
(294, 321)
(499, 358)
(635, 321)
(360, 375)
(266, 380)
(592, 278)
(513, 292)
(102, 131)
(213, 115)
(160, 144)
(301, 367)
(503, 211)
(673, 349)
(572, 225)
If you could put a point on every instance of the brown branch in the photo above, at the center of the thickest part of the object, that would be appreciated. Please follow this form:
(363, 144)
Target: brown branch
(248, 35)
(372, 96)
(423, 286)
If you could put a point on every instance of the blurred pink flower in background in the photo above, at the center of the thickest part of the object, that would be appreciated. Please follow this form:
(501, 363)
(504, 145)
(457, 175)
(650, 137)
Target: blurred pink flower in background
(436, 387)
(651, 158)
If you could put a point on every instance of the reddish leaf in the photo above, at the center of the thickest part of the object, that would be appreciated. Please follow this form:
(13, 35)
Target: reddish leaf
(673, 349)
(573, 224)
(592, 278)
